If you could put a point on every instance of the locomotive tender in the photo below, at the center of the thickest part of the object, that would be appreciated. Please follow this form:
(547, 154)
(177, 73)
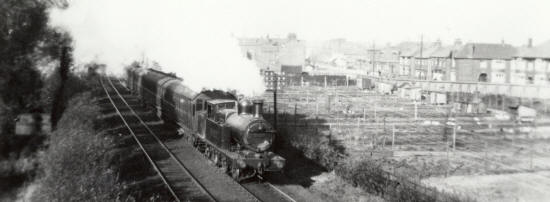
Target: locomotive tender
(231, 132)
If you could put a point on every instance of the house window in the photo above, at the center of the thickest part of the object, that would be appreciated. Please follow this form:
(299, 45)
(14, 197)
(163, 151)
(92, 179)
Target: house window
(483, 64)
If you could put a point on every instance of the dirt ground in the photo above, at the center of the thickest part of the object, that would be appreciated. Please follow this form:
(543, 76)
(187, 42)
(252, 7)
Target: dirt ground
(502, 187)
(335, 189)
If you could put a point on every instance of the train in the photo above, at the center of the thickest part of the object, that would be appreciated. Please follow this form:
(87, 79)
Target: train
(231, 132)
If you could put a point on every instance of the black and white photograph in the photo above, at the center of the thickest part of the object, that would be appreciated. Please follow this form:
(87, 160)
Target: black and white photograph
(275, 100)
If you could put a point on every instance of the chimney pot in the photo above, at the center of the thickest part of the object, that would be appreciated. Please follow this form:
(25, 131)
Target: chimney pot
(458, 42)
(530, 43)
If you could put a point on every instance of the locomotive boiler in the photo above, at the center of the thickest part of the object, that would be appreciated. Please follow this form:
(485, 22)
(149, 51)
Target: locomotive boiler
(230, 132)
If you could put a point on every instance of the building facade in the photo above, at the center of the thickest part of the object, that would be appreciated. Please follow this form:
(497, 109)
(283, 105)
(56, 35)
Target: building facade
(482, 62)
(531, 64)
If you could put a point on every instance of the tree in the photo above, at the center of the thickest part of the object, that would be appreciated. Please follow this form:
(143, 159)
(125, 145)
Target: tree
(25, 38)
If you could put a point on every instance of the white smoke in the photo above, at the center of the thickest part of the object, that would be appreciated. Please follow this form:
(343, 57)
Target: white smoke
(190, 38)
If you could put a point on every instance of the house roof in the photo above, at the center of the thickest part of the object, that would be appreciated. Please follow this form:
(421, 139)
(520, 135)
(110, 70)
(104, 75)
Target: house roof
(486, 51)
(540, 51)
(427, 51)
(443, 52)
(408, 49)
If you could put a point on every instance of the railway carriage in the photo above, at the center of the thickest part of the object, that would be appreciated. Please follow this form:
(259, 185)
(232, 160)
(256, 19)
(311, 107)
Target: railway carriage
(134, 79)
(152, 82)
(231, 132)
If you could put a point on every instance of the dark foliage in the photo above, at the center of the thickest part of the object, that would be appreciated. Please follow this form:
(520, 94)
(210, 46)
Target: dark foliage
(58, 103)
(25, 39)
(77, 165)
(368, 175)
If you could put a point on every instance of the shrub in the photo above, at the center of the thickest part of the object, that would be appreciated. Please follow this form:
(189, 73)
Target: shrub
(368, 175)
(313, 145)
(76, 164)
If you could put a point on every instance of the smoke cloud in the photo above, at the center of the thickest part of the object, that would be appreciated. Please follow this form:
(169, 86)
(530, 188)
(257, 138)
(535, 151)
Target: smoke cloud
(190, 38)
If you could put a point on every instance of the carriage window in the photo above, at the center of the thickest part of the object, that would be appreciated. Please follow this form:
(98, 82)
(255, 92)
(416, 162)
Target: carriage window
(209, 108)
(182, 103)
(227, 105)
(199, 105)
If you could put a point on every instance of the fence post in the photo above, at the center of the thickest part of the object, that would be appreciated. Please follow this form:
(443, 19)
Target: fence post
(328, 104)
(375, 120)
(316, 109)
(454, 136)
(392, 137)
(415, 111)
(295, 118)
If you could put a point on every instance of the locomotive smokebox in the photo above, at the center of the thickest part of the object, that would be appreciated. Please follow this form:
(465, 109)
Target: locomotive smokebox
(258, 108)
(245, 107)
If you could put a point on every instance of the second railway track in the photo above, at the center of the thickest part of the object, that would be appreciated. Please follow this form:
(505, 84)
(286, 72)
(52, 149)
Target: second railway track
(179, 171)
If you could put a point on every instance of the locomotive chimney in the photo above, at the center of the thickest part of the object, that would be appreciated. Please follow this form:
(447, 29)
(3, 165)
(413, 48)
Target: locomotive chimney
(258, 108)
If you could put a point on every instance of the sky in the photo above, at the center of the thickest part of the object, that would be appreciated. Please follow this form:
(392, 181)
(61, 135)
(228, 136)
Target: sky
(196, 39)
(398, 20)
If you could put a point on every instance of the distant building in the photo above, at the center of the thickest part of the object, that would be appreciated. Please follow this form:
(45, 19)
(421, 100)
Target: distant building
(272, 79)
(406, 62)
(483, 62)
(387, 62)
(423, 62)
(531, 64)
(276, 54)
(441, 61)
(292, 55)
(407, 51)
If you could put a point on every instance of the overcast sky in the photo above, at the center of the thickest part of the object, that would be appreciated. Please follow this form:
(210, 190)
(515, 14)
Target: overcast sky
(395, 20)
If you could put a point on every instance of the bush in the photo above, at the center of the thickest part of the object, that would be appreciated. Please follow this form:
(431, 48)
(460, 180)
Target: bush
(75, 84)
(76, 166)
(313, 145)
(368, 175)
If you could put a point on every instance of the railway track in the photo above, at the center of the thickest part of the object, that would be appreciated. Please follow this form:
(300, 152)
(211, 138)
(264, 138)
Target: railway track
(179, 180)
(183, 186)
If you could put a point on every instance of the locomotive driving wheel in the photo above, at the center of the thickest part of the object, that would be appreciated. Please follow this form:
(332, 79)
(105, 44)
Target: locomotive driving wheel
(236, 173)
(207, 152)
(224, 164)
(216, 158)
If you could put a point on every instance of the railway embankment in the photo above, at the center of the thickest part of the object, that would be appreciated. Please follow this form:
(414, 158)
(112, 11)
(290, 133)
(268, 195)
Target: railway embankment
(85, 159)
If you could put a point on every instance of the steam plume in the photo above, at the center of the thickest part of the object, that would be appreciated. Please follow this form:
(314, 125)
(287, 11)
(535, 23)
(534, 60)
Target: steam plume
(190, 38)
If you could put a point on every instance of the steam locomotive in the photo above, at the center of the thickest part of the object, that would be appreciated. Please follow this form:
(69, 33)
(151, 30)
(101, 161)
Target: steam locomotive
(230, 132)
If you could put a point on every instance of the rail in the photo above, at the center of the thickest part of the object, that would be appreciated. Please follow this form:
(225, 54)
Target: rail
(172, 156)
(256, 195)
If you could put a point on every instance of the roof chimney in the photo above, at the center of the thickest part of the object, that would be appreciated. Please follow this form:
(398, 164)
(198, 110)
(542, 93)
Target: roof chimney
(502, 42)
(530, 43)
(458, 42)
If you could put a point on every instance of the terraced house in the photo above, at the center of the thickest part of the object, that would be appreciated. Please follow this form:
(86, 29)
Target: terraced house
(484, 62)
(531, 65)
(422, 61)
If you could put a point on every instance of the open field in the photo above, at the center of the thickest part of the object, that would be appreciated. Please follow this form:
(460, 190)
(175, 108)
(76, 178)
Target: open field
(416, 139)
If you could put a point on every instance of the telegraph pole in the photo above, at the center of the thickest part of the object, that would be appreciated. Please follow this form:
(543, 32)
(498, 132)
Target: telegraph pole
(275, 99)
(373, 59)
(421, 49)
